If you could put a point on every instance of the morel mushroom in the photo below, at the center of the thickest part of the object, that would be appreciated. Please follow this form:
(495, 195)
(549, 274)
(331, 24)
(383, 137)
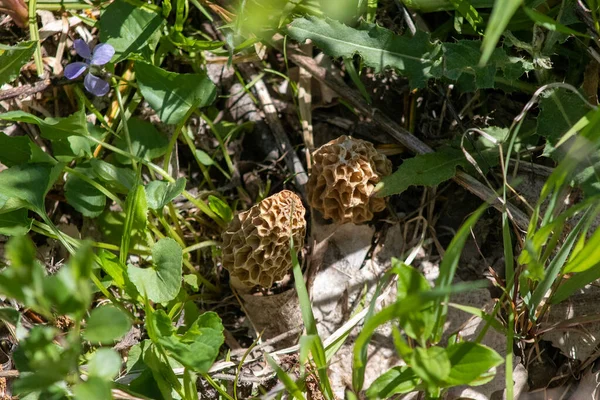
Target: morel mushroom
(343, 179)
(256, 245)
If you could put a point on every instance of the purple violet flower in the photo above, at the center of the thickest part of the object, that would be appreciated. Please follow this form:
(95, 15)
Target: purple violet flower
(101, 55)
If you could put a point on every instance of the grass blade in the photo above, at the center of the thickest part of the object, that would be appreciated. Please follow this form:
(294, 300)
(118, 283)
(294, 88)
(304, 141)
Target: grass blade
(501, 15)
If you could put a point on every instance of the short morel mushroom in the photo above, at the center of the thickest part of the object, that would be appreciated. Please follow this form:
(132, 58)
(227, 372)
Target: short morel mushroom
(256, 245)
(343, 179)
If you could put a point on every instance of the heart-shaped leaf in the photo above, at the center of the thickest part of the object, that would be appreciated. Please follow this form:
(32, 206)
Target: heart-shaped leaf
(160, 193)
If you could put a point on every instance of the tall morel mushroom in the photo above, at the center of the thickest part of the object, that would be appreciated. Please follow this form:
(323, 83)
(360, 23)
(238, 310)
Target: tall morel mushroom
(343, 178)
(256, 245)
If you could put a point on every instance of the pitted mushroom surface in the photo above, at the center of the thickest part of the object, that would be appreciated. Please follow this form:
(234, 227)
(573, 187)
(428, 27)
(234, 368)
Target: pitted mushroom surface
(256, 245)
(343, 178)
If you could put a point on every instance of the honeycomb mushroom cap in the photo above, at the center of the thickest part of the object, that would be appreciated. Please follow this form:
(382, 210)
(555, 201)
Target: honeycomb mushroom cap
(256, 245)
(343, 178)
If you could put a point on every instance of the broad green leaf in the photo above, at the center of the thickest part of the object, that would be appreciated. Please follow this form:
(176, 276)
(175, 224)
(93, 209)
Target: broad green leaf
(172, 95)
(128, 28)
(93, 388)
(122, 179)
(15, 223)
(220, 208)
(550, 24)
(27, 185)
(71, 148)
(471, 363)
(146, 141)
(424, 169)
(199, 346)
(395, 381)
(14, 150)
(160, 282)
(412, 56)
(105, 364)
(431, 364)
(560, 109)
(13, 58)
(84, 197)
(52, 128)
(160, 193)
(106, 324)
(499, 19)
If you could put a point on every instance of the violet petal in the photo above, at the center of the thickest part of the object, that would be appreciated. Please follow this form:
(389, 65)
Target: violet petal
(95, 85)
(102, 54)
(74, 70)
(82, 48)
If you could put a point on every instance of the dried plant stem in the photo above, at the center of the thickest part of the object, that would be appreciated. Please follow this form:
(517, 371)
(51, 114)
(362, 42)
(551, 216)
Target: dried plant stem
(283, 142)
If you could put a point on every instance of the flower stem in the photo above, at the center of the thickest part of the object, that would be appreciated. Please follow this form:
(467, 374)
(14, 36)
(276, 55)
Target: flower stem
(35, 36)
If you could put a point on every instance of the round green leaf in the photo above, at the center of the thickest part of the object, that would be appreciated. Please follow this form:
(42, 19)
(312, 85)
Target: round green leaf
(93, 389)
(106, 324)
(471, 363)
(105, 364)
(162, 281)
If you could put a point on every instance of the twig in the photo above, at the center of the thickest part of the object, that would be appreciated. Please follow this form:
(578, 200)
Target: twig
(283, 142)
(400, 134)
(29, 89)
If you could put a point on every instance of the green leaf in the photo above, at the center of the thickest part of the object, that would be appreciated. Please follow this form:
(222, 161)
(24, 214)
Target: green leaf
(15, 223)
(199, 346)
(27, 185)
(499, 19)
(13, 58)
(136, 218)
(122, 179)
(443, 5)
(110, 264)
(560, 109)
(106, 324)
(203, 157)
(471, 363)
(52, 128)
(172, 95)
(14, 150)
(412, 56)
(220, 208)
(395, 381)
(431, 364)
(160, 193)
(550, 24)
(105, 364)
(93, 389)
(128, 28)
(84, 197)
(424, 169)
(160, 282)
(576, 282)
(146, 141)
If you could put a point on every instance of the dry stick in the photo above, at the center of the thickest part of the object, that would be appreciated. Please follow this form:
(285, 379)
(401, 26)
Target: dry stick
(400, 134)
(283, 142)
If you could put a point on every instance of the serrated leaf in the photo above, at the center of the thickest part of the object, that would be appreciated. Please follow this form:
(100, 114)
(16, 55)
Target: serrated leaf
(424, 169)
(128, 28)
(160, 193)
(13, 58)
(160, 282)
(412, 56)
(106, 324)
(471, 363)
(560, 109)
(84, 197)
(170, 94)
